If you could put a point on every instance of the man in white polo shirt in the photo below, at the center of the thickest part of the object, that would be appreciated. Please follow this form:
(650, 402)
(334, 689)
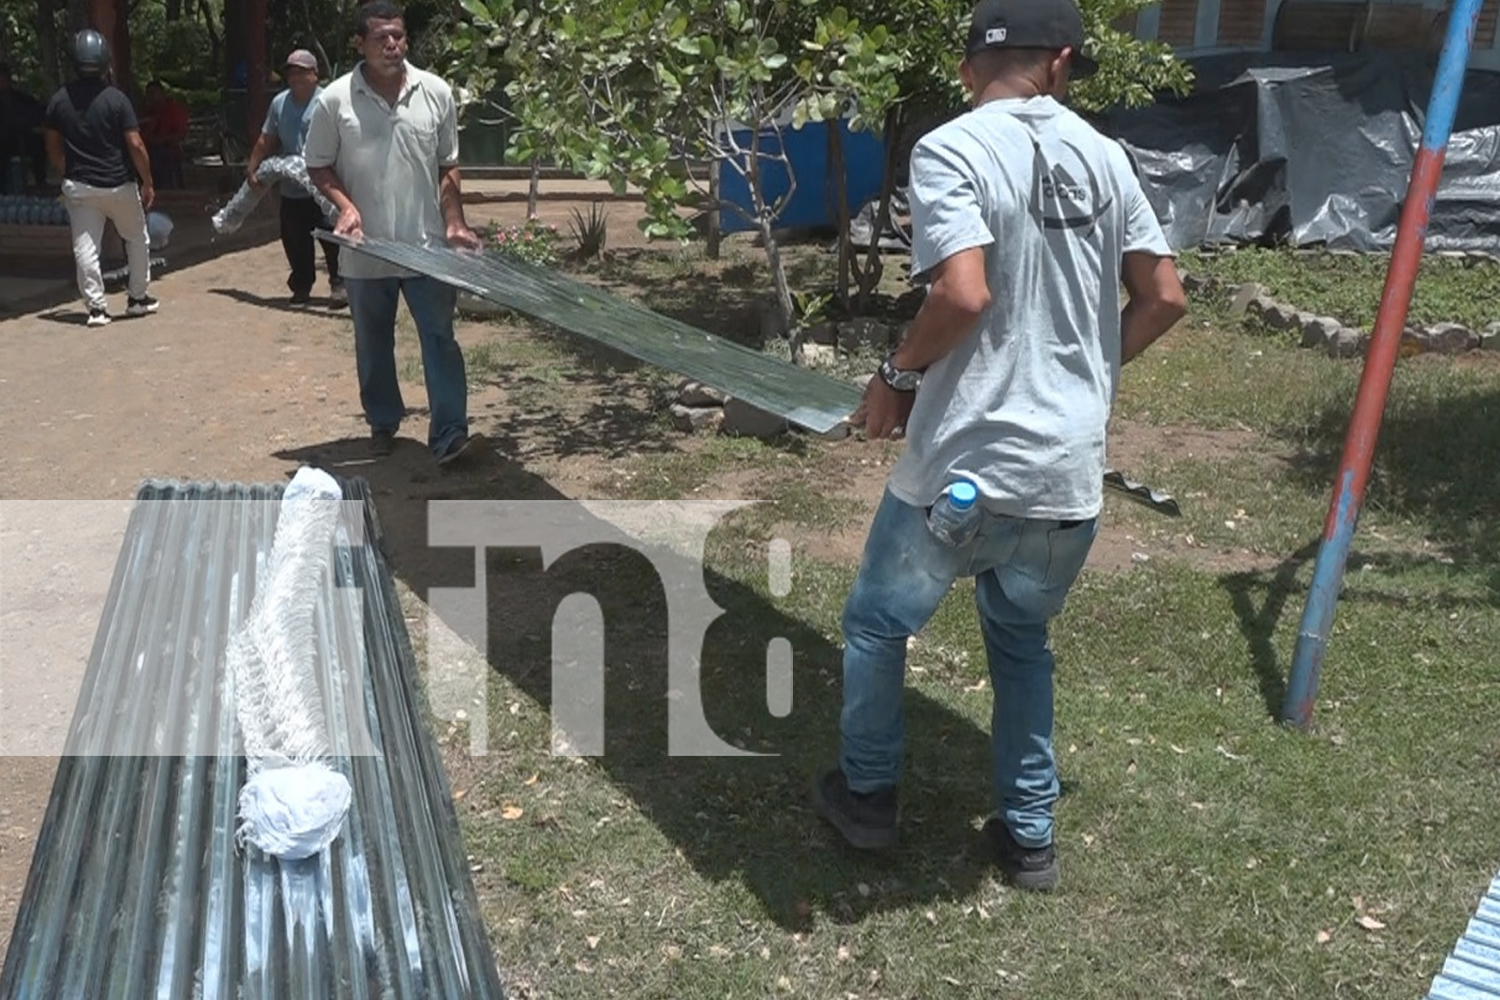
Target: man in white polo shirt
(383, 146)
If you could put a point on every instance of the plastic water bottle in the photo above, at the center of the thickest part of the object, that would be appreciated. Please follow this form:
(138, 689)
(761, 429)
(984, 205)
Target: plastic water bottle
(955, 517)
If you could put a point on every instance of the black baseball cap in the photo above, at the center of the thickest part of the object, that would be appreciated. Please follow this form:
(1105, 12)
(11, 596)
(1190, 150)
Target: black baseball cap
(1029, 24)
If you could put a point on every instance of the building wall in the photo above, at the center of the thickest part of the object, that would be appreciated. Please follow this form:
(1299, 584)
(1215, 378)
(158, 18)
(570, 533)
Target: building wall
(1200, 27)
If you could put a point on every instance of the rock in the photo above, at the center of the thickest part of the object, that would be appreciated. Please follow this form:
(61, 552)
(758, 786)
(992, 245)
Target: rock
(1245, 295)
(823, 333)
(1317, 331)
(750, 421)
(1281, 317)
(812, 355)
(1448, 338)
(1192, 282)
(1347, 343)
(1412, 343)
(862, 332)
(697, 394)
(695, 418)
(1489, 337)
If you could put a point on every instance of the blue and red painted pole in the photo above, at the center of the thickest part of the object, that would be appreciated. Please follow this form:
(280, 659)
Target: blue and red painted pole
(1380, 363)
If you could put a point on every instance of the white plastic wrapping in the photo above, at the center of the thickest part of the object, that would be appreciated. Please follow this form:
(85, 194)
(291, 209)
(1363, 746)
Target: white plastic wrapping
(271, 170)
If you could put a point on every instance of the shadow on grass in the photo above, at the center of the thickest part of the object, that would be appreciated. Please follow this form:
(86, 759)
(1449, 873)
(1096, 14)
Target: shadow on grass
(1434, 465)
(742, 819)
(1258, 621)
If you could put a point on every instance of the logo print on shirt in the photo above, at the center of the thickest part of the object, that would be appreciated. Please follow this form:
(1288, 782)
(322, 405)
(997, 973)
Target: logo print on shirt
(1059, 186)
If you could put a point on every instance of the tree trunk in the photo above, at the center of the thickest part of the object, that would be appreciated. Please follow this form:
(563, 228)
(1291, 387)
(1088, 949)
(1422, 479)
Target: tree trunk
(215, 43)
(841, 210)
(714, 215)
(236, 31)
(174, 11)
(47, 50)
(258, 99)
(874, 267)
(534, 191)
(783, 293)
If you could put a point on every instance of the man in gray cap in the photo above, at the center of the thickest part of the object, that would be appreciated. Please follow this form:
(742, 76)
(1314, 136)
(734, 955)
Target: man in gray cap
(284, 133)
(1026, 222)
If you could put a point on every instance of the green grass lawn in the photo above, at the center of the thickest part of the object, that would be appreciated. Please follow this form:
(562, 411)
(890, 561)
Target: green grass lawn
(1206, 850)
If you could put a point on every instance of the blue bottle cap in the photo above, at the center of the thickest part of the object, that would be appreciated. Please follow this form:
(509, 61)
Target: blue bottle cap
(963, 494)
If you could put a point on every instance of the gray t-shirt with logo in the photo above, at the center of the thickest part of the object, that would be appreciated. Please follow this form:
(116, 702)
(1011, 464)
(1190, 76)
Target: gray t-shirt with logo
(1021, 406)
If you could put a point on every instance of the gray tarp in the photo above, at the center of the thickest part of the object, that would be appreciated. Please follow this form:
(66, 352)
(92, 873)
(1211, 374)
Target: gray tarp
(1314, 149)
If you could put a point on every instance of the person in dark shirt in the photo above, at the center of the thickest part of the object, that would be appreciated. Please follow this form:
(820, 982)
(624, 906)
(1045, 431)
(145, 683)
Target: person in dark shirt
(20, 117)
(94, 139)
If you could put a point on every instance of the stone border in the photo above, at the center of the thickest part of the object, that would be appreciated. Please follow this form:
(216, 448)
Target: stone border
(1253, 301)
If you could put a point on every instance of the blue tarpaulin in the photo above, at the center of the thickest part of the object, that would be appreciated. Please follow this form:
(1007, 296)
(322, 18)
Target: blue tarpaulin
(814, 202)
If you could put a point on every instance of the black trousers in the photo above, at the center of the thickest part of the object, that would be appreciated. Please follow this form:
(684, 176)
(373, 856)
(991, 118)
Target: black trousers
(299, 217)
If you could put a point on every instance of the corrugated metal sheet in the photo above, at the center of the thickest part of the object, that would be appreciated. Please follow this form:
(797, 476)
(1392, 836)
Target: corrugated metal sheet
(807, 398)
(1472, 971)
(137, 887)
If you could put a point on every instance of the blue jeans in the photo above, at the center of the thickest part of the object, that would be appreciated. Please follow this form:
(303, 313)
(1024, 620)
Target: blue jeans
(1023, 570)
(372, 303)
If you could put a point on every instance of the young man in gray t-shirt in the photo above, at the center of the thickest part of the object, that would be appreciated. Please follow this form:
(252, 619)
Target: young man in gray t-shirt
(1026, 222)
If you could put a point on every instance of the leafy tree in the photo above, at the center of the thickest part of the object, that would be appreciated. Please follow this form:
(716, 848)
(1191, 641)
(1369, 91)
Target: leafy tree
(636, 91)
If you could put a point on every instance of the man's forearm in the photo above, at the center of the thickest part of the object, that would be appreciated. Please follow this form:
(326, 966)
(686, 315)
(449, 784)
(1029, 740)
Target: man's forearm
(450, 197)
(326, 180)
(55, 155)
(260, 151)
(142, 161)
(938, 328)
(1142, 323)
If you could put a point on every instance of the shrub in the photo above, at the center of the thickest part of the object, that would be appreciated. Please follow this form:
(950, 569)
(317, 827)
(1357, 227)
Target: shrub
(532, 241)
(591, 231)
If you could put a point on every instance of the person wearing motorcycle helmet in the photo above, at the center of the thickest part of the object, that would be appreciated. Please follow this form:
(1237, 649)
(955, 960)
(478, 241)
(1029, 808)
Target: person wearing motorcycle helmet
(94, 140)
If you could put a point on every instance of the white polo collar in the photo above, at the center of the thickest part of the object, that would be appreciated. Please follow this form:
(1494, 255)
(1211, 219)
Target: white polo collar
(409, 83)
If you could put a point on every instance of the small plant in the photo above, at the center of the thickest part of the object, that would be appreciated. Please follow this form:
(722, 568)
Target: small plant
(591, 232)
(811, 308)
(532, 241)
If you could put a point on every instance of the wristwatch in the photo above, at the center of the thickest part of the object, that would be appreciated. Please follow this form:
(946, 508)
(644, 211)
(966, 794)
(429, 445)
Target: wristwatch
(902, 380)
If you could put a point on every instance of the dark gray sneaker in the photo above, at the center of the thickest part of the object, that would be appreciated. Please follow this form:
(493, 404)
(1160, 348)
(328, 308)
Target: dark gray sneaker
(453, 449)
(1032, 868)
(867, 821)
(382, 442)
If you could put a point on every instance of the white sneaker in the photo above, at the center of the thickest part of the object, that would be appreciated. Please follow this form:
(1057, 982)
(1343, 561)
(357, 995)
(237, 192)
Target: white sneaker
(98, 317)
